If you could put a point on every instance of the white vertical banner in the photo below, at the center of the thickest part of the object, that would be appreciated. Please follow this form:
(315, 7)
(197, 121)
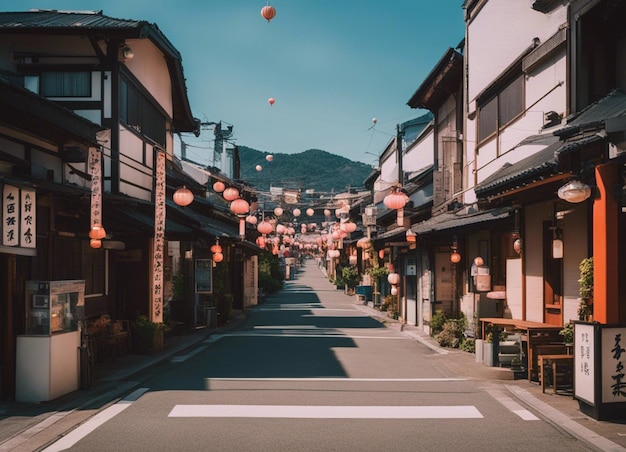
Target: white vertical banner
(28, 219)
(156, 314)
(95, 171)
(10, 215)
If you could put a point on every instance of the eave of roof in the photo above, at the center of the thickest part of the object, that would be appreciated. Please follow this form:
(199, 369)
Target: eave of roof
(442, 81)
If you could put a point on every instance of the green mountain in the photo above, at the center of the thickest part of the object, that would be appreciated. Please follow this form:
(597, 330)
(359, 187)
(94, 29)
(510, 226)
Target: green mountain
(313, 169)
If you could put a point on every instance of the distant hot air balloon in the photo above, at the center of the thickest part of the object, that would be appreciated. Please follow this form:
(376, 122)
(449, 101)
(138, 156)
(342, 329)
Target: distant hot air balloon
(268, 12)
(271, 100)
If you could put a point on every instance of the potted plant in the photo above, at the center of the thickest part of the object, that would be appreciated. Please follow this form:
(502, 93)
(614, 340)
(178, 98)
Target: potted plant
(568, 333)
(351, 277)
(585, 289)
(376, 273)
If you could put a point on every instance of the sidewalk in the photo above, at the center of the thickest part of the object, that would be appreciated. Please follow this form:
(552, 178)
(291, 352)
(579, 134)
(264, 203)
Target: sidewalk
(29, 427)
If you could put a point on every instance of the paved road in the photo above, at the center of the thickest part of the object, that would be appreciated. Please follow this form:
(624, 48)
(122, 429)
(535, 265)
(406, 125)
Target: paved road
(311, 370)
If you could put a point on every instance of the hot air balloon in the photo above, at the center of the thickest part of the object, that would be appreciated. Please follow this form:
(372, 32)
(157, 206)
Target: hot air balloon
(271, 100)
(268, 12)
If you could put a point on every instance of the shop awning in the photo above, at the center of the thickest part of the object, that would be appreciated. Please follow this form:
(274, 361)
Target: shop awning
(450, 221)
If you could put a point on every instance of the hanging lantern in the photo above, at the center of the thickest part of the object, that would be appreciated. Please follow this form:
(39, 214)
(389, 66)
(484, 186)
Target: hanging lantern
(326, 213)
(251, 219)
(217, 248)
(219, 186)
(269, 157)
(393, 279)
(218, 257)
(455, 257)
(395, 200)
(97, 232)
(478, 261)
(230, 194)
(239, 206)
(259, 168)
(394, 290)
(296, 212)
(280, 229)
(310, 212)
(265, 227)
(374, 120)
(95, 243)
(349, 227)
(381, 254)
(411, 236)
(517, 246)
(278, 211)
(574, 191)
(183, 196)
(260, 241)
(268, 12)
(363, 242)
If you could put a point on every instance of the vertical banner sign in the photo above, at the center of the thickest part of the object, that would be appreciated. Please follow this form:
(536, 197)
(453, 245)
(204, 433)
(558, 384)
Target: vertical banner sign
(614, 365)
(10, 213)
(159, 240)
(95, 171)
(28, 212)
(19, 221)
(584, 362)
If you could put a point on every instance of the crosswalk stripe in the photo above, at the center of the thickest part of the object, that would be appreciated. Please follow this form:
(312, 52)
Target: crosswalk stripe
(326, 412)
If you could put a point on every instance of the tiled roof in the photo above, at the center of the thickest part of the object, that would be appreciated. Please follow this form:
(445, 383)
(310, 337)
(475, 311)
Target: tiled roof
(41, 18)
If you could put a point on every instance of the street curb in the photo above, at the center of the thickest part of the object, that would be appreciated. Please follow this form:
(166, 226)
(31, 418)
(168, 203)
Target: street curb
(563, 422)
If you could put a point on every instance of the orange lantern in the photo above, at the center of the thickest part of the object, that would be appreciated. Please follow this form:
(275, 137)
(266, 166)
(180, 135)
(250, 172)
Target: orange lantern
(183, 196)
(296, 212)
(455, 257)
(230, 194)
(268, 12)
(251, 219)
(219, 186)
(395, 200)
(260, 241)
(265, 227)
(239, 206)
(95, 243)
(217, 248)
(349, 227)
(218, 257)
(259, 168)
(269, 157)
(97, 232)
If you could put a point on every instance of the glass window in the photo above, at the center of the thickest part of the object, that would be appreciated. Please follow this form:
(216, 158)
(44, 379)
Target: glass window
(140, 114)
(66, 84)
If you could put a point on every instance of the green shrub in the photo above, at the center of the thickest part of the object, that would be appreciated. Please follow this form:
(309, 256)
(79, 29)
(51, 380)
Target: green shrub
(468, 344)
(436, 323)
(453, 332)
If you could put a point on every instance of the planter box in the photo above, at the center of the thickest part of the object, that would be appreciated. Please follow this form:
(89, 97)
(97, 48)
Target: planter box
(488, 354)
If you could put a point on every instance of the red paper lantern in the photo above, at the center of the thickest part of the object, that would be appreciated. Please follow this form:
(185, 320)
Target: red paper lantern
(268, 12)
(230, 194)
(239, 206)
(95, 243)
(395, 200)
(218, 257)
(183, 196)
(265, 227)
(97, 232)
(217, 248)
(219, 186)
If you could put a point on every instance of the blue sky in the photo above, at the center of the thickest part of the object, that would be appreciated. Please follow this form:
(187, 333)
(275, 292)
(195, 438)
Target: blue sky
(330, 65)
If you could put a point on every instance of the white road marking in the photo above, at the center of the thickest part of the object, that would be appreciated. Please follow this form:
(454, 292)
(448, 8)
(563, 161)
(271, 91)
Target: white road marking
(85, 429)
(342, 380)
(326, 412)
(512, 405)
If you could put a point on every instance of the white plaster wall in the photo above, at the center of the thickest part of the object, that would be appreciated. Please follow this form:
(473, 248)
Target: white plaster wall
(420, 154)
(150, 68)
(534, 216)
(500, 32)
(574, 250)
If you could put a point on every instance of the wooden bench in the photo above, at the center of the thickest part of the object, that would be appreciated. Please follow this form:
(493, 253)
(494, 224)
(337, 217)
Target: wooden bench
(554, 360)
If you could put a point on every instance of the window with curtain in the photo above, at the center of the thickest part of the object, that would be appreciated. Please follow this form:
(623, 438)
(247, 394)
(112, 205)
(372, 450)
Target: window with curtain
(66, 84)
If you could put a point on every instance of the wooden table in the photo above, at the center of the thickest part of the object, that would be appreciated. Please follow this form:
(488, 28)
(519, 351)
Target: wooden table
(554, 360)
